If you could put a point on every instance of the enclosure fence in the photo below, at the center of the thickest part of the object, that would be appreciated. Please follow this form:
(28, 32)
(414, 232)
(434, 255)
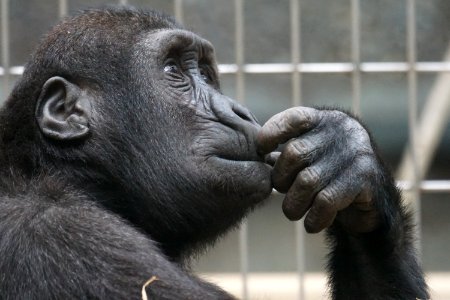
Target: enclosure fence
(417, 155)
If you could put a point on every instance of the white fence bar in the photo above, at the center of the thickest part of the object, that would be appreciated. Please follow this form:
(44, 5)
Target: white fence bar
(356, 58)
(414, 197)
(295, 52)
(5, 47)
(288, 68)
(296, 84)
(178, 10)
(338, 67)
(63, 8)
(240, 96)
(431, 186)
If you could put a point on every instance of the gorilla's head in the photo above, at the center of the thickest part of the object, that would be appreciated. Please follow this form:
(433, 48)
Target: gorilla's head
(126, 105)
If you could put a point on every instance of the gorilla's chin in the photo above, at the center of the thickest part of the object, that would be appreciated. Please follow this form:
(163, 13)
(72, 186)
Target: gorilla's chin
(249, 179)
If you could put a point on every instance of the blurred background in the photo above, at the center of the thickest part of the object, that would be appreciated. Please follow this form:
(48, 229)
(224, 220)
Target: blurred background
(387, 61)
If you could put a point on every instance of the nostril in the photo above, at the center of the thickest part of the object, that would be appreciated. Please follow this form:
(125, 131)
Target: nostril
(244, 114)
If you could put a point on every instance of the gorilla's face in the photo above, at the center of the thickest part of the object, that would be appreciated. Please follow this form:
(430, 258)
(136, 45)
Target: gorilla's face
(212, 136)
(198, 146)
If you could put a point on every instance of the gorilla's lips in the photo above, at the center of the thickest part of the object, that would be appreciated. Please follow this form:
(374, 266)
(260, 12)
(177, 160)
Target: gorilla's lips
(249, 178)
(242, 156)
(242, 171)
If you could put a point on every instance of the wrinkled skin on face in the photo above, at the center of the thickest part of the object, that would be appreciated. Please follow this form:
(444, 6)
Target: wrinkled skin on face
(216, 134)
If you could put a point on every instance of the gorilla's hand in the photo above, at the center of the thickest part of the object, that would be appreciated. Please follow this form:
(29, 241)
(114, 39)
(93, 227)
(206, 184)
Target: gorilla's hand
(328, 167)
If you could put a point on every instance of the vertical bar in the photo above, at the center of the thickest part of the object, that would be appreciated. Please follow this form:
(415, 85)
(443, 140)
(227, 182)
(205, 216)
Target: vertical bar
(295, 51)
(5, 59)
(239, 50)
(178, 10)
(243, 251)
(63, 8)
(356, 57)
(296, 101)
(412, 114)
(240, 96)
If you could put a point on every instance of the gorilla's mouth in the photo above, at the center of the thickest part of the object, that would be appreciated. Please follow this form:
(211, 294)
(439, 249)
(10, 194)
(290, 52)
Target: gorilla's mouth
(238, 164)
(241, 157)
(246, 177)
(239, 147)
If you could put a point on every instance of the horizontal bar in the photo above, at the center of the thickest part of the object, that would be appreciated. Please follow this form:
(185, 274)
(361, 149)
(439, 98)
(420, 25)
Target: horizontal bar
(385, 67)
(432, 66)
(17, 70)
(425, 186)
(288, 68)
(366, 67)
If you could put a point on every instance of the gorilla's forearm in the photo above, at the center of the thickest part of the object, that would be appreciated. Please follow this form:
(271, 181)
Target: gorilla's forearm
(333, 176)
(381, 264)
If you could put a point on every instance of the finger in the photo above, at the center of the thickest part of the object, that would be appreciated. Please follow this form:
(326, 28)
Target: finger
(286, 125)
(335, 197)
(302, 192)
(297, 155)
(272, 158)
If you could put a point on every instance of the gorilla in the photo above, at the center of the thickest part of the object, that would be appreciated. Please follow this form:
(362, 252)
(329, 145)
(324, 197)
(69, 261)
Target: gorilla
(120, 159)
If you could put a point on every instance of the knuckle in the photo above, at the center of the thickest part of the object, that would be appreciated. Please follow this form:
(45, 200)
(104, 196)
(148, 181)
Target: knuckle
(303, 116)
(343, 120)
(340, 115)
(335, 115)
(309, 178)
(326, 197)
(310, 223)
(308, 118)
(296, 149)
(365, 163)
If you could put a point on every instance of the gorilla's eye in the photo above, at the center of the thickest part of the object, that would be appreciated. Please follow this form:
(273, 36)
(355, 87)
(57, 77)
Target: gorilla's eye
(171, 67)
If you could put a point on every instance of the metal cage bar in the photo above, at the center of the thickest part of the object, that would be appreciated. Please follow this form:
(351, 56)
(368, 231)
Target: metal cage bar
(326, 68)
(240, 96)
(414, 195)
(296, 100)
(5, 58)
(356, 57)
(178, 10)
(338, 67)
(63, 8)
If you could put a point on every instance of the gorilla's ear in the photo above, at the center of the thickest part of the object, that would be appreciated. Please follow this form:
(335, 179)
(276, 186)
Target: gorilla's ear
(63, 110)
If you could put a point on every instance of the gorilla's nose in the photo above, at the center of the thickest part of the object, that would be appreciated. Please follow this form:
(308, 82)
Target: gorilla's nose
(240, 119)
(233, 114)
(243, 113)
